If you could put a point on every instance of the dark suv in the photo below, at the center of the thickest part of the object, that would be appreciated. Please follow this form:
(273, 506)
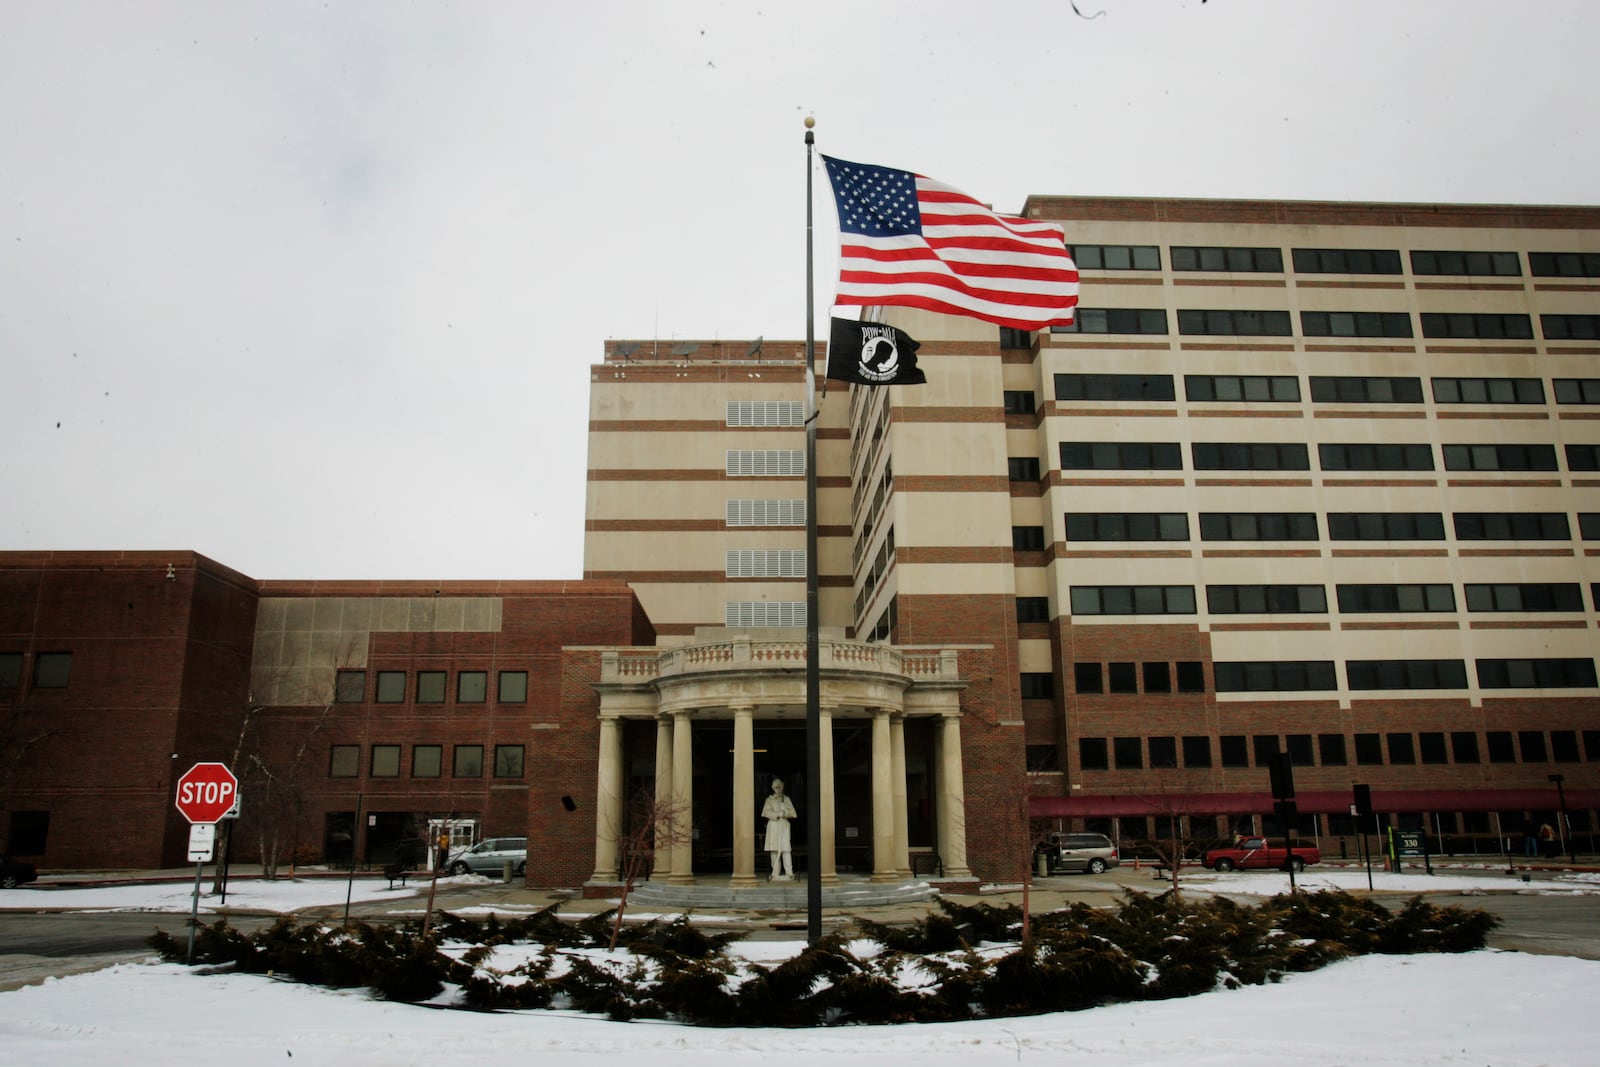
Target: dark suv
(1083, 852)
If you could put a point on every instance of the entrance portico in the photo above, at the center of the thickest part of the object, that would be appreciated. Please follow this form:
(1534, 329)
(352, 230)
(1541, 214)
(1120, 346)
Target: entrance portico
(740, 684)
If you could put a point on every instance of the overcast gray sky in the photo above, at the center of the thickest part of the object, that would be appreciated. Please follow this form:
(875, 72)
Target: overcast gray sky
(313, 288)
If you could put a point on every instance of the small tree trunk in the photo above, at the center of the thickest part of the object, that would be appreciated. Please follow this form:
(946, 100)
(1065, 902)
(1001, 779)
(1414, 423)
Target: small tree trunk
(630, 870)
(1027, 910)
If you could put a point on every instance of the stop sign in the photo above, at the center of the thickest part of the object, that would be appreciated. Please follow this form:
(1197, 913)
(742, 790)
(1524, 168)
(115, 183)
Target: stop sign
(206, 792)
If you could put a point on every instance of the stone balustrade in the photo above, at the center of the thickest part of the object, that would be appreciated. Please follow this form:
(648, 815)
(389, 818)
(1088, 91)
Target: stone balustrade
(634, 666)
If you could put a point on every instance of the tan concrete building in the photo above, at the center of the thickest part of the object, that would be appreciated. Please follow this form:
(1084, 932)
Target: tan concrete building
(1305, 477)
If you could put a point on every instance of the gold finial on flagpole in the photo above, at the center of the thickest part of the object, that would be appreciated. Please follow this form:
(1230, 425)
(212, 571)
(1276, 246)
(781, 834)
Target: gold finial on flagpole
(811, 121)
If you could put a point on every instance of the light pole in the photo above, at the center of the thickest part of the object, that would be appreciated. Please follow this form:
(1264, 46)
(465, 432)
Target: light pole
(1566, 827)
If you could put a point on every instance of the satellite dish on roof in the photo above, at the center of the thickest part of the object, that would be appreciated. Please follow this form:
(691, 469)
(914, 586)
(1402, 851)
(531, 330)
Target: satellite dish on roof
(754, 351)
(686, 349)
(627, 351)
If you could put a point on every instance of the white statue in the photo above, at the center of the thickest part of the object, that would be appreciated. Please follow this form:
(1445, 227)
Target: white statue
(778, 810)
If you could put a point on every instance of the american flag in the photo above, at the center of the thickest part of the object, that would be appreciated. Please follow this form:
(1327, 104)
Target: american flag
(910, 241)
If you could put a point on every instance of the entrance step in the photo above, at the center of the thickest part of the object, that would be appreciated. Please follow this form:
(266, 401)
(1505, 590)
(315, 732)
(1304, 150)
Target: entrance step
(777, 896)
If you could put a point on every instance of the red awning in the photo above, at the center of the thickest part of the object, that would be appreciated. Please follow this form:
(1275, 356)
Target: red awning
(1311, 802)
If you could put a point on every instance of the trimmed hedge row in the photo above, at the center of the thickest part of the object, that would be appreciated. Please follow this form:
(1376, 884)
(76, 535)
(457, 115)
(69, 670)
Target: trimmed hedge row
(961, 963)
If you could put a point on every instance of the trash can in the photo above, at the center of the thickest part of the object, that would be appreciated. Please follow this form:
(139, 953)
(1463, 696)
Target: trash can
(505, 872)
(1042, 864)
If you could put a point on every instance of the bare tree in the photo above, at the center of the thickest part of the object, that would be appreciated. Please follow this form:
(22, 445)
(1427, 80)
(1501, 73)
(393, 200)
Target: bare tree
(1174, 814)
(1020, 837)
(655, 824)
(271, 780)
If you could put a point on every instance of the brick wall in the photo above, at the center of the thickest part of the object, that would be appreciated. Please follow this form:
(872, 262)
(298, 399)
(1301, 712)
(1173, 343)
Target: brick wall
(992, 751)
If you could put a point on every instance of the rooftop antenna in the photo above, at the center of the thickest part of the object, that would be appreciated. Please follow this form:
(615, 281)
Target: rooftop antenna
(754, 351)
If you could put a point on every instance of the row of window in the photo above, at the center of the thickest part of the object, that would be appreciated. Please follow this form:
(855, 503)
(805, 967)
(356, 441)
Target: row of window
(1336, 750)
(1355, 599)
(51, 670)
(427, 761)
(1185, 676)
(1235, 322)
(1285, 388)
(1296, 456)
(430, 687)
(1236, 260)
(1342, 526)
(1313, 599)
(1300, 676)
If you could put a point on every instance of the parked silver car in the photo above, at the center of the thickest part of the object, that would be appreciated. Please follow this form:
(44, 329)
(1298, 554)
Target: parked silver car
(1083, 852)
(489, 856)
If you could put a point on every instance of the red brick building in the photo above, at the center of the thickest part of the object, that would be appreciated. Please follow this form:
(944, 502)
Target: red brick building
(353, 712)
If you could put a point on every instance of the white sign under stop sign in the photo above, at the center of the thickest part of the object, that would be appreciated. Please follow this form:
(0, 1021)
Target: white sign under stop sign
(202, 841)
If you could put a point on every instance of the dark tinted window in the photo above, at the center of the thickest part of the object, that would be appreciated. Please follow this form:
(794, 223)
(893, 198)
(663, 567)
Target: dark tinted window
(1475, 325)
(1240, 388)
(1355, 324)
(1114, 387)
(1285, 456)
(1385, 526)
(1512, 526)
(1223, 259)
(1258, 526)
(1354, 390)
(1214, 322)
(1487, 264)
(1346, 261)
(1488, 391)
(1117, 257)
(1128, 526)
(1114, 455)
(1116, 320)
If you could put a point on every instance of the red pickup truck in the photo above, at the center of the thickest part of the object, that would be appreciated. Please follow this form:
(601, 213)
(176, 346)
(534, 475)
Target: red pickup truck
(1254, 853)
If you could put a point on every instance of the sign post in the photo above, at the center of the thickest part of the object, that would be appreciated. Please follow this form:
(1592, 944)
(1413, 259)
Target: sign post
(206, 792)
(1281, 770)
(1360, 807)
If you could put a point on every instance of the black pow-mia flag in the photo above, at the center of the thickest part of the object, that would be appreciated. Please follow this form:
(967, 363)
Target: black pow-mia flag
(869, 354)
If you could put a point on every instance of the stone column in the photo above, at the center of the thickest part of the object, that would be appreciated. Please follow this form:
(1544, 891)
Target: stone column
(825, 852)
(682, 799)
(744, 797)
(897, 771)
(952, 800)
(663, 856)
(608, 802)
(883, 863)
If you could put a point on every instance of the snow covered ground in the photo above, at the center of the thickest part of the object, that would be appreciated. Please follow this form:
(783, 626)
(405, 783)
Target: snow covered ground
(1447, 880)
(1500, 1008)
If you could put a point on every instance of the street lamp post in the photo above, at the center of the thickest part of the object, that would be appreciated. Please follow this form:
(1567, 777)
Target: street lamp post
(1566, 826)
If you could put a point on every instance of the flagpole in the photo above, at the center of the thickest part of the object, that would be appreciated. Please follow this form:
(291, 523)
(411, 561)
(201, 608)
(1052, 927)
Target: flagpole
(813, 695)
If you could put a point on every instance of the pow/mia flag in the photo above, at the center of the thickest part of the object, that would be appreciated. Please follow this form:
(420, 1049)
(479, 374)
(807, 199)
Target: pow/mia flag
(869, 354)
